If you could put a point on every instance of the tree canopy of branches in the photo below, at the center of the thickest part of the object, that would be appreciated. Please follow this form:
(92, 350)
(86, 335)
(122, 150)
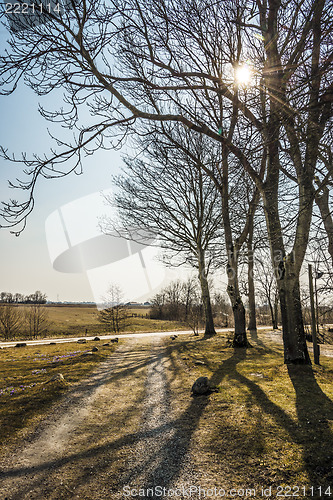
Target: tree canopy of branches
(130, 61)
(166, 195)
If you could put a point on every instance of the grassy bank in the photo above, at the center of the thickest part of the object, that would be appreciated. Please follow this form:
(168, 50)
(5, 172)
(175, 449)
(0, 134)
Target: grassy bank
(25, 390)
(268, 424)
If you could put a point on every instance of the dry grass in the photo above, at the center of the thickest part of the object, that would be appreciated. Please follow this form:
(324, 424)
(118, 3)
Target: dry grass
(268, 425)
(24, 372)
(75, 320)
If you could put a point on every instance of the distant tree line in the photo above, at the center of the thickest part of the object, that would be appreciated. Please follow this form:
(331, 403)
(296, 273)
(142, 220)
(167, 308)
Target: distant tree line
(18, 298)
(182, 301)
(22, 322)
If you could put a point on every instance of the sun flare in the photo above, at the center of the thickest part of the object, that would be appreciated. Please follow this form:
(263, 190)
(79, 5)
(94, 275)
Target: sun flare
(243, 75)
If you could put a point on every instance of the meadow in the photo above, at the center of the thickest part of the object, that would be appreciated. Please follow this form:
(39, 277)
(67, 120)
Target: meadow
(79, 320)
(26, 389)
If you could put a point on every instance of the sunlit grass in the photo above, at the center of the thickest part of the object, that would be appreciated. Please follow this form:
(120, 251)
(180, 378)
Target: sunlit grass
(82, 320)
(24, 373)
(268, 424)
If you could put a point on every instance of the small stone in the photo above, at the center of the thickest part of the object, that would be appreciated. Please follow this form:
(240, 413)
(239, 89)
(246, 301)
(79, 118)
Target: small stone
(81, 341)
(96, 338)
(106, 345)
(94, 349)
(201, 386)
(58, 377)
(21, 344)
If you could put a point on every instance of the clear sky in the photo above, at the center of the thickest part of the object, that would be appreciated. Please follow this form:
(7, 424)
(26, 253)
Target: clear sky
(27, 262)
(65, 217)
(62, 232)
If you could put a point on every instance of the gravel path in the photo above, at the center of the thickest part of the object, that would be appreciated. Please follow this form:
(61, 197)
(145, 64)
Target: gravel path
(33, 469)
(160, 461)
(72, 452)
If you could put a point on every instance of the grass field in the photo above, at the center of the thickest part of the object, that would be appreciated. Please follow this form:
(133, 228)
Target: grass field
(75, 320)
(268, 424)
(25, 390)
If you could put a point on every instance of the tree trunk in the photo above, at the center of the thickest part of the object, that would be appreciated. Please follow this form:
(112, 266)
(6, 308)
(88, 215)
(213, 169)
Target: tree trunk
(287, 273)
(209, 322)
(295, 348)
(322, 201)
(276, 312)
(252, 301)
(238, 309)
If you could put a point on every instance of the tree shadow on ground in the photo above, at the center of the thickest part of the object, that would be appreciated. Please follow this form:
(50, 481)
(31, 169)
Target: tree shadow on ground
(315, 418)
(312, 430)
(169, 460)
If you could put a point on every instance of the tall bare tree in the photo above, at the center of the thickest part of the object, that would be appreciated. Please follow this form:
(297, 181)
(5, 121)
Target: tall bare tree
(165, 194)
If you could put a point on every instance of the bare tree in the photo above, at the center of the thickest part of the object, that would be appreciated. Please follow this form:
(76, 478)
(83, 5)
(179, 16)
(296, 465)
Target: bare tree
(174, 61)
(36, 319)
(114, 313)
(167, 196)
(10, 320)
(180, 301)
(266, 285)
(322, 200)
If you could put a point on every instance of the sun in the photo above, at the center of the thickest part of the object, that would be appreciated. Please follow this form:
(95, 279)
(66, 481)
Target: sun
(243, 74)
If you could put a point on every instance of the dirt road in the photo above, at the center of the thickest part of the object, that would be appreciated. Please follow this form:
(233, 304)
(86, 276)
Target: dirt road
(111, 434)
(116, 435)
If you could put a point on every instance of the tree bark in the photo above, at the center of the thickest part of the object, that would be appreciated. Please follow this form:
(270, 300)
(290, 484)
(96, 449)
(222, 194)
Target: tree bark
(322, 201)
(274, 312)
(252, 301)
(238, 309)
(209, 321)
(295, 348)
(287, 272)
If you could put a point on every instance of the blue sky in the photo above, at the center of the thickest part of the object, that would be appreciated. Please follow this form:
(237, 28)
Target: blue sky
(25, 263)
(27, 260)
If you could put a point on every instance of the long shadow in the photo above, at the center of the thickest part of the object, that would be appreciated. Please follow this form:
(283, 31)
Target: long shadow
(315, 412)
(174, 451)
